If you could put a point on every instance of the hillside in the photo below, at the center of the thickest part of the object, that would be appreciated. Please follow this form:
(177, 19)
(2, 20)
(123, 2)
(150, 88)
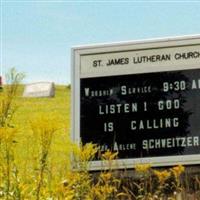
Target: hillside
(28, 110)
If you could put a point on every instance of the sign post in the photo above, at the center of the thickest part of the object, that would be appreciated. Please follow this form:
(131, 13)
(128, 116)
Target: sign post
(140, 99)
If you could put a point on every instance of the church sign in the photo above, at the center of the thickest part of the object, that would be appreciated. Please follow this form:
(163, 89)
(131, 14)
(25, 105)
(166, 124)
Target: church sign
(141, 99)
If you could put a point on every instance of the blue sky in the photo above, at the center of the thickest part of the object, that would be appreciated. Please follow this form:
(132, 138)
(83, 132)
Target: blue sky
(37, 36)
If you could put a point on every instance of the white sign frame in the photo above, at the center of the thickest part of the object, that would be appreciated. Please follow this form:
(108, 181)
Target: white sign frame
(80, 56)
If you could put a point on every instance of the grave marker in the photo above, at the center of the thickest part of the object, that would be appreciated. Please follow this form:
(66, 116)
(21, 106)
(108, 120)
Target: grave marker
(39, 89)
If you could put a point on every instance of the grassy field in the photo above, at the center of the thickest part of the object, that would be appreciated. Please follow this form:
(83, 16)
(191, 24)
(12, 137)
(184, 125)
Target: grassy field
(26, 148)
(28, 108)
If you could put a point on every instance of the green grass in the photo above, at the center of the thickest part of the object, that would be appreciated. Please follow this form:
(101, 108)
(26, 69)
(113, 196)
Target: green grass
(28, 108)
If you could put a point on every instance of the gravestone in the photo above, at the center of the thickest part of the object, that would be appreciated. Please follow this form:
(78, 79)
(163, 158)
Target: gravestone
(39, 89)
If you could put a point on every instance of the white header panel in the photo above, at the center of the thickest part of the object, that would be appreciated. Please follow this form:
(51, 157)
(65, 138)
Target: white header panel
(140, 61)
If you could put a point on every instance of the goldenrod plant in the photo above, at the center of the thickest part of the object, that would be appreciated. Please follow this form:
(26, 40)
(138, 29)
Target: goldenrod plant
(80, 184)
(149, 183)
(7, 159)
(7, 109)
(8, 186)
(43, 129)
(82, 154)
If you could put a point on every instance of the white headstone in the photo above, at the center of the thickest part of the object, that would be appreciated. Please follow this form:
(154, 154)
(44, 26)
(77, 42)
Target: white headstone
(39, 89)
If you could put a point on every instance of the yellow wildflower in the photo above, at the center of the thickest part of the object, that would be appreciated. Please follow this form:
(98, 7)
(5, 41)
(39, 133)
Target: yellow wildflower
(7, 135)
(178, 170)
(88, 151)
(141, 168)
(108, 155)
(162, 175)
(106, 176)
